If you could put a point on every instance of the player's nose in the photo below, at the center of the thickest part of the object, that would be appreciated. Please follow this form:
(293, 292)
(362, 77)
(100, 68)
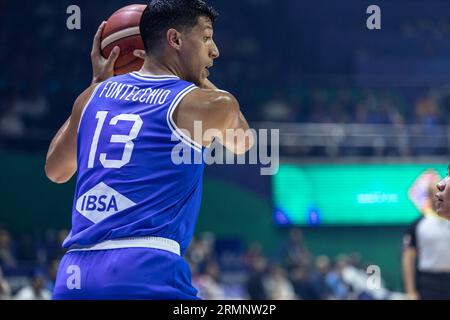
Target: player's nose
(441, 185)
(214, 51)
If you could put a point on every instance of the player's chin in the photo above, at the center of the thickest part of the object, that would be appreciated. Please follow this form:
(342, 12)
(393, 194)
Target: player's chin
(443, 212)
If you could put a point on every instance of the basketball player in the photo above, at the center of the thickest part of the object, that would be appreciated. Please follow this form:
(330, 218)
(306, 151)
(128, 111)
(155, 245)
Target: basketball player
(134, 209)
(426, 258)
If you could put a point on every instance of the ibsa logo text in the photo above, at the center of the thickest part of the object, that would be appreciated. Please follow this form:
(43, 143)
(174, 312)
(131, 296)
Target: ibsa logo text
(91, 203)
(101, 202)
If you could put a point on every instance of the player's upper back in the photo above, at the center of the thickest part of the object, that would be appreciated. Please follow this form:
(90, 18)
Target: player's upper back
(127, 181)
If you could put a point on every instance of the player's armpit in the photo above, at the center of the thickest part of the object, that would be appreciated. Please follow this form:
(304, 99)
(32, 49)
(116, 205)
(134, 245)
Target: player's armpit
(61, 161)
(220, 117)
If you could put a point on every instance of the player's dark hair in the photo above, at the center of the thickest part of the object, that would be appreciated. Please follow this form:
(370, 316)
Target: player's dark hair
(161, 15)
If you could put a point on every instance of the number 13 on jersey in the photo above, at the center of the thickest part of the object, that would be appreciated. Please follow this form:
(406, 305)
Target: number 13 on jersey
(127, 140)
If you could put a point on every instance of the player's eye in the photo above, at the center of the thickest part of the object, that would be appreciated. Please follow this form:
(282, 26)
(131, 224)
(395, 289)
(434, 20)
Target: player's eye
(206, 38)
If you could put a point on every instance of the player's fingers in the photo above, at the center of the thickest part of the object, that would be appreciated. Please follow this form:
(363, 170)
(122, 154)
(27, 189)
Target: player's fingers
(113, 57)
(139, 53)
(96, 43)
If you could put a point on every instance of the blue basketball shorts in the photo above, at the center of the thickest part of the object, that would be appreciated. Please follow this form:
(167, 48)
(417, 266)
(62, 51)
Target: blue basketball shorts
(124, 274)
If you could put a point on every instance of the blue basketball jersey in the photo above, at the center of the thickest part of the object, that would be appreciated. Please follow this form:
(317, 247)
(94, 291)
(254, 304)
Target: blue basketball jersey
(127, 183)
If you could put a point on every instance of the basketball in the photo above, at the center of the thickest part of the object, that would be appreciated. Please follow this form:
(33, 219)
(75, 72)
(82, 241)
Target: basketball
(122, 30)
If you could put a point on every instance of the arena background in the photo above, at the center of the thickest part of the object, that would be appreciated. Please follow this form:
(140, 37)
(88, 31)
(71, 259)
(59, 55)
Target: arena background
(339, 93)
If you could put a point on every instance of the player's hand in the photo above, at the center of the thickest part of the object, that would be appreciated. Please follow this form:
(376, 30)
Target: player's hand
(102, 68)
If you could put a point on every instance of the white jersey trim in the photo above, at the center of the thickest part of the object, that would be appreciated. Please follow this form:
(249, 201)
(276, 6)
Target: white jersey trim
(175, 130)
(139, 73)
(153, 77)
(138, 242)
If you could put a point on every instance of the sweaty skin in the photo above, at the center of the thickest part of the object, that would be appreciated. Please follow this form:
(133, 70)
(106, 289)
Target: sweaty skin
(187, 55)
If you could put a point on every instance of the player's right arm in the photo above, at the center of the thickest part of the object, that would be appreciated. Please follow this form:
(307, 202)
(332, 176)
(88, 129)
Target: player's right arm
(216, 109)
(220, 116)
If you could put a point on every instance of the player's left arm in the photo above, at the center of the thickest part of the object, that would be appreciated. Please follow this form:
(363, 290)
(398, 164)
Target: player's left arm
(61, 161)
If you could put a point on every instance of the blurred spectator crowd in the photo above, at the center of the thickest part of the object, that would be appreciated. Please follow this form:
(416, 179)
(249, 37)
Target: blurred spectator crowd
(221, 269)
(361, 106)
(29, 263)
(275, 80)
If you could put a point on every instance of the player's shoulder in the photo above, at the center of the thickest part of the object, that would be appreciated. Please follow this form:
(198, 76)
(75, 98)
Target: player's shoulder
(215, 108)
(84, 97)
(209, 98)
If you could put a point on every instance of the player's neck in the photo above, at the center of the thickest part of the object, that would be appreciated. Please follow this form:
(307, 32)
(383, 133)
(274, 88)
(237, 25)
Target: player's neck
(155, 66)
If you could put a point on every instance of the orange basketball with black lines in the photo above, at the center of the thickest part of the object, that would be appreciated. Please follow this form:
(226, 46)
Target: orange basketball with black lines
(122, 30)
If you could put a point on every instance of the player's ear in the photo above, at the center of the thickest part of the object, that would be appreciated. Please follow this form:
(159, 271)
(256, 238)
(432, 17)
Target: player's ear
(174, 38)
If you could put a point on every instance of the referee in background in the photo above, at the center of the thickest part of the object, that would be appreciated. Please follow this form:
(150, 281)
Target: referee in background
(426, 254)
